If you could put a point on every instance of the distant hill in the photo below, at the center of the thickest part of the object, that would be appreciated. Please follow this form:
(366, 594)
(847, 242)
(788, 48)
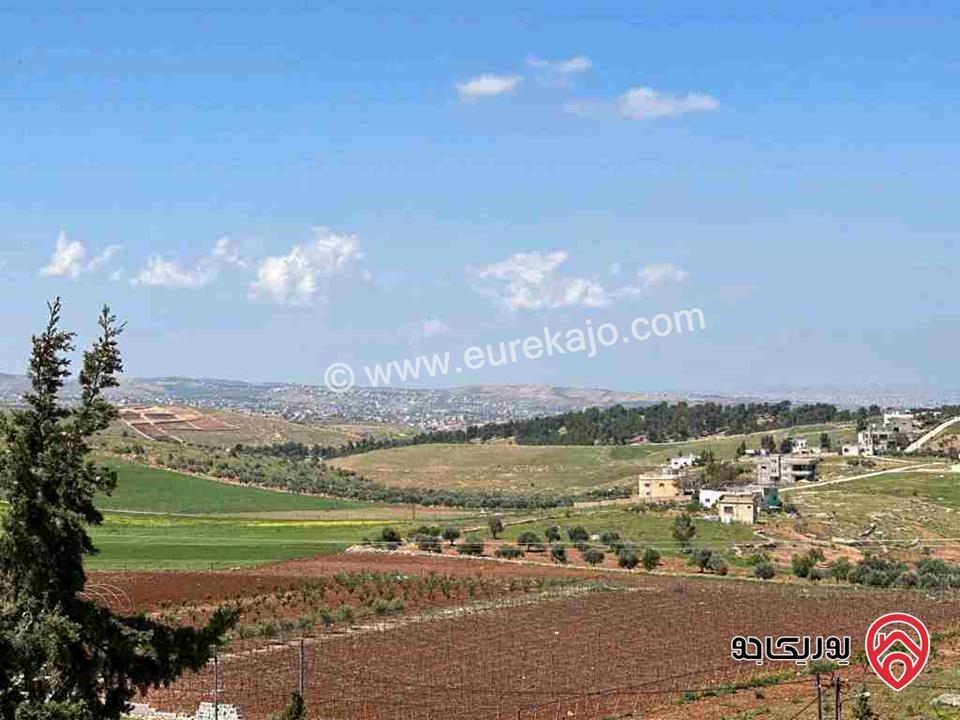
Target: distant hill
(421, 408)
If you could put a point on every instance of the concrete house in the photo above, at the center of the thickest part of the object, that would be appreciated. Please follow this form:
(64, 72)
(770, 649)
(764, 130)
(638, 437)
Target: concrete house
(785, 469)
(899, 422)
(708, 498)
(878, 440)
(738, 507)
(683, 462)
(662, 486)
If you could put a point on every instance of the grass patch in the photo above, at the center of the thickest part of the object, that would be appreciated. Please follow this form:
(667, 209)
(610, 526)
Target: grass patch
(499, 466)
(155, 542)
(940, 487)
(145, 489)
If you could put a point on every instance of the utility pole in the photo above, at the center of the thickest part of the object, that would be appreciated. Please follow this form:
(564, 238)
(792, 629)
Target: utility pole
(838, 713)
(816, 681)
(303, 670)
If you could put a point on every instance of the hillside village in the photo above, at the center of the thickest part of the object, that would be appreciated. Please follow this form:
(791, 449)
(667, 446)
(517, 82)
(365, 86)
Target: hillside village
(768, 471)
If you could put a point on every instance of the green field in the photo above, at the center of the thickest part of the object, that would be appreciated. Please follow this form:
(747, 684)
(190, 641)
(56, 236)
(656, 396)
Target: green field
(942, 487)
(499, 466)
(529, 468)
(145, 489)
(156, 542)
(912, 507)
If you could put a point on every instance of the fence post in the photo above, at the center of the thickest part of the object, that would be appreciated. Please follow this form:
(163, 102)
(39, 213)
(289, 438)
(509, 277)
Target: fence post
(216, 685)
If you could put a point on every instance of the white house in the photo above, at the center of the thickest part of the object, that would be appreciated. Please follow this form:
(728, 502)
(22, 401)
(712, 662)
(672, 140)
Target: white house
(682, 462)
(708, 498)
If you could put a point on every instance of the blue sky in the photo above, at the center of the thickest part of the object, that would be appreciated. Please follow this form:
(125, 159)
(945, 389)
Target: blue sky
(261, 193)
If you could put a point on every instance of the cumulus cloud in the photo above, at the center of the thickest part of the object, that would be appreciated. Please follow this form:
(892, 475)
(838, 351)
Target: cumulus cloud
(226, 251)
(168, 273)
(295, 278)
(69, 258)
(529, 281)
(103, 258)
(642, 103)
(487, 85)
(161, 272)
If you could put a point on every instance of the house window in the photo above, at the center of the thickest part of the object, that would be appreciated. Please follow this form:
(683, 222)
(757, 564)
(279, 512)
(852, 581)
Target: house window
(728, 510)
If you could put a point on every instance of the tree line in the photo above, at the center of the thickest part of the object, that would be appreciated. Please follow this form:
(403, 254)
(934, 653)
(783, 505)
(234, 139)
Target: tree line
(617, 425)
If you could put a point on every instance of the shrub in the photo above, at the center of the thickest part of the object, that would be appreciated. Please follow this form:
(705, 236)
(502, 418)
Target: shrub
(802, 565)
(651, 558)
(578, 534)
(717, 564)
(294, 710)
(907, 580)
(611, 539)
(428, 543)
(508, 551)
(628, 557)
(764, 570)
(876, 572)
(431, 530)
(530, 541)
(701, 558)
(593, 556)
(558, 553)
(552, 534)
(451, 534)
(683, 529)
(471, 546)
(839, 569)
(389, 538)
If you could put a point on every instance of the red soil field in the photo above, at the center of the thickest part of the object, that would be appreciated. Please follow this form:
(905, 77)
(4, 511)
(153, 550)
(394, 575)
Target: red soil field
(148, 590)
(589, 656)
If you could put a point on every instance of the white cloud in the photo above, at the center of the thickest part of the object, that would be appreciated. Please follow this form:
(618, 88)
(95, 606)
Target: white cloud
(654, 275)
(167, 273)
(294, 278)
(69, 258)
(487, 85)
(528, 281)
(642, 103)
(225, 249)
(103, 258)
(432, 327)
(161, 272)
(570, 66)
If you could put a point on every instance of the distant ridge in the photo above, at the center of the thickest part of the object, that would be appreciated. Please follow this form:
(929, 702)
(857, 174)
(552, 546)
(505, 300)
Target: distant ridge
(441, 407)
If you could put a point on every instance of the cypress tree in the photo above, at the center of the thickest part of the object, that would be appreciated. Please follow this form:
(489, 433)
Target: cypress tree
(63, 656)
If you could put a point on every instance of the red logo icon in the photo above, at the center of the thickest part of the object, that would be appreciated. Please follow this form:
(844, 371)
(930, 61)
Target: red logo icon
(890, 645)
